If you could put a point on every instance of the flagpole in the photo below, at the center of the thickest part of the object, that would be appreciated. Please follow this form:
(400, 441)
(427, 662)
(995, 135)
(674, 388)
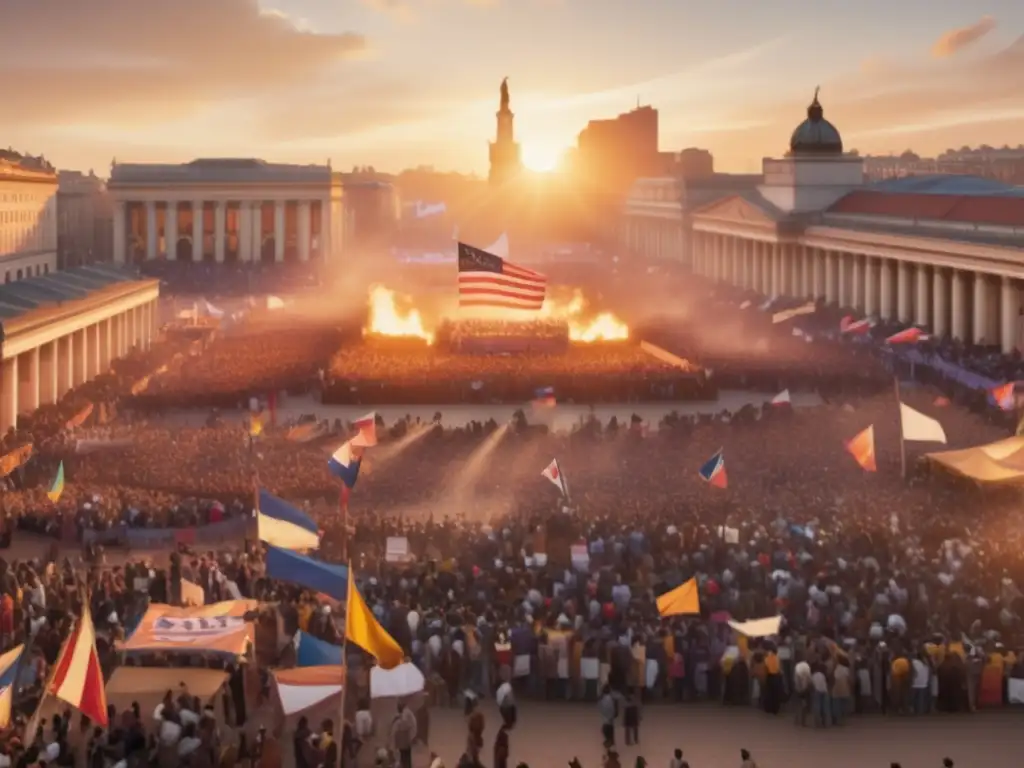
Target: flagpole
(344, 666)
(903, 443)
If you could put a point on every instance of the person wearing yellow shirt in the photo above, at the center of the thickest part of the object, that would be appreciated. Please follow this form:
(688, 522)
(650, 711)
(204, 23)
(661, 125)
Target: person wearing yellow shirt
(900, 684)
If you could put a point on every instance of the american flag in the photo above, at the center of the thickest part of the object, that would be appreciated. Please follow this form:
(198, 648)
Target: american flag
(486, 280)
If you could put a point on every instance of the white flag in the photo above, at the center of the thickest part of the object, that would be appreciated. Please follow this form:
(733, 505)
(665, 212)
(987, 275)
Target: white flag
(918, 427)
(788, 314)
(782, 398)
(554, 473)
(499, 247)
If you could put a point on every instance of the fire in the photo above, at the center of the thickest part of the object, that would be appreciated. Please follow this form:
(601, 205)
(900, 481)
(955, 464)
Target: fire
(603, 327)
(386, 319)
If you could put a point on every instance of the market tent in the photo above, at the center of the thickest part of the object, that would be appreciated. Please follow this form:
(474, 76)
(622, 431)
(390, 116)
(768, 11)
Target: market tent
(147, 685)
(998, 462)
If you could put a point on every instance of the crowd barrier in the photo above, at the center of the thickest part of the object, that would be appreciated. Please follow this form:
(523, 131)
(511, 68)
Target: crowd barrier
(231, 530)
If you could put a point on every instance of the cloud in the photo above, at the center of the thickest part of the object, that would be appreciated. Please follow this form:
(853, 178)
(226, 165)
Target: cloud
(126, 61)
(955, 40)
(410, 10)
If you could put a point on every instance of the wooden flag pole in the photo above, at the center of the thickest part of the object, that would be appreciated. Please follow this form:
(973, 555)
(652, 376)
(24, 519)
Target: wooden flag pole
(344, 667)
(903, 443)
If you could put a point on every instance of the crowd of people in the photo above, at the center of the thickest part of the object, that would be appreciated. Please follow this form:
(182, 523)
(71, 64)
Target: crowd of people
(898, 596)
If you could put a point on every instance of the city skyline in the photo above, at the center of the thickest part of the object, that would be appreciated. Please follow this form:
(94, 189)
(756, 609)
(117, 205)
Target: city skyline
(403, 83)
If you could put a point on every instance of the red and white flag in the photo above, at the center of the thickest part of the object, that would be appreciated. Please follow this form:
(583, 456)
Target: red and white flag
(77, 677)
(909, 336)
(367, 426)
(856, 327)
(554, 473)
(782, 398)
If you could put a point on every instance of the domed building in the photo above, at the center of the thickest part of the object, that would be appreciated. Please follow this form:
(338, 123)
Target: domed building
(815, 136)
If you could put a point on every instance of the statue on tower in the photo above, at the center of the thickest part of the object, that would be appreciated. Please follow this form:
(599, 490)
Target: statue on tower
(504, 95)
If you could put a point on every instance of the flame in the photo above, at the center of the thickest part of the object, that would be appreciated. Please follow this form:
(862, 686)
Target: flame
(603, 327)
(386, 319)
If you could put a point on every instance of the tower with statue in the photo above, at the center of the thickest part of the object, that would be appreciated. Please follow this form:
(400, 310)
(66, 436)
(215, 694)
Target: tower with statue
(505, 158)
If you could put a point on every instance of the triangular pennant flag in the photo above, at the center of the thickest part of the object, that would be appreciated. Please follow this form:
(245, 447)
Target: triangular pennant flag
(363, 629)
(782, 398)
(553, 472)
(367, 426)
(344, 464)
(684, 600)
(713, 470)
(920, 428)
(908, 336)
(77, 677)
(862, 448)
(58, 485)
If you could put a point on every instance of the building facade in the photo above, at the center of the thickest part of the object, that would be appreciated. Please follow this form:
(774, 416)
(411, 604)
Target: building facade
(85, 219)
(226, 210)
(28, 218)
(946, 254)
(59, 331)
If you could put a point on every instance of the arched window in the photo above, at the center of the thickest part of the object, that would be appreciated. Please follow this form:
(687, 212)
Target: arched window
(20, 272)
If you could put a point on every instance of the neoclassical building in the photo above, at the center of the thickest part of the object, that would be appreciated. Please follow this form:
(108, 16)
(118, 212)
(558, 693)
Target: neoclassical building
(226, 210)
(942, 252)
(28, 218)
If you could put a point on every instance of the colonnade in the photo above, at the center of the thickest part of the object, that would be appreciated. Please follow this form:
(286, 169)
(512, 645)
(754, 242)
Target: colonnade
(43, 374)
(968, 305)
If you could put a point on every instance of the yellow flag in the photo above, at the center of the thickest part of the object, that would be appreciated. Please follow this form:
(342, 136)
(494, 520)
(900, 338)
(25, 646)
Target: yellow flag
(363, 629)
(256, 425)
(680, 601)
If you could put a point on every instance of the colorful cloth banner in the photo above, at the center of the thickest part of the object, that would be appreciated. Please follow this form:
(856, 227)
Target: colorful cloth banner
(14, 459)
(217, 628)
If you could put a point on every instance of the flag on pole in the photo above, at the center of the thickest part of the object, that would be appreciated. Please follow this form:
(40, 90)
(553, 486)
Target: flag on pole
(788, 314)
(58, 484)
(920, 428)
(487, 280)
(280, 524)
(1003, 395)
(363, 629)
(367, 426)
(862, 448)
(554, 473)
(77, 677)
(713, 470)
(855, 327)
(9, 664)
(344, 465)
(782, 398)
(908, 336)
(681, 601)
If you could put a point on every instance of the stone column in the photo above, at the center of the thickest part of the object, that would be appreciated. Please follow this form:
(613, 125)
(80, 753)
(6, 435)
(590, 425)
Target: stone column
(797, 266)
(1009, 309)
(736, 246)
(257, 231)
(755, 266)
(197, 232)
(81, 358)
(959, 291)
(279, 231)
(831, 278)
(48, 386)
(245, 231)
(921, 314)
(857, 282)
(904, 300)
(65, 365)
(9, 394)
(171, 229)
(888, 311)
(28, 390)
(305, 232)
(219, 230)
(94, 363)
(842, 278)
(120, 231)
(980, 324)
(940, 305)
(870, 286)
(151, 233)
(807, 286)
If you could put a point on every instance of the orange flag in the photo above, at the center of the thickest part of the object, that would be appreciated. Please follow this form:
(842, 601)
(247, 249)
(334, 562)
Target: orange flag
(862, 448)
(681, 601)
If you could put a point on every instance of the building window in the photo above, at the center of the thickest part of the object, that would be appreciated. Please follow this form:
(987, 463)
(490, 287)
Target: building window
(7, 276)
(18, 276)
(46, 269)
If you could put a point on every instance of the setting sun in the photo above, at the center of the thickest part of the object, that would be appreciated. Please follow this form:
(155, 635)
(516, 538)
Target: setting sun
(541, 158)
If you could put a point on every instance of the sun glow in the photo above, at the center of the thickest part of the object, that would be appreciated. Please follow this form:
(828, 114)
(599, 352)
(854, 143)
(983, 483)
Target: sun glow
(541, 158)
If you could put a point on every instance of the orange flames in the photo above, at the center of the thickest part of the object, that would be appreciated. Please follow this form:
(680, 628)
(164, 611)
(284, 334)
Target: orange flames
(388, 319)
(602, 327)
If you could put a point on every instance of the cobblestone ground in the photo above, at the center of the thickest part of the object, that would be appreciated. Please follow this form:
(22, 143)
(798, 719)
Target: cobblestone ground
(548, 736)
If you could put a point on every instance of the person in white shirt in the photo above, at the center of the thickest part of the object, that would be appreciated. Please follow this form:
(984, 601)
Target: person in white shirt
(506, 701)
(921, 692)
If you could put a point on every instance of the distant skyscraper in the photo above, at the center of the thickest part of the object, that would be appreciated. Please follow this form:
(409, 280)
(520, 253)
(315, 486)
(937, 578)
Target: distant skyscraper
(617, 151)
(505, 162)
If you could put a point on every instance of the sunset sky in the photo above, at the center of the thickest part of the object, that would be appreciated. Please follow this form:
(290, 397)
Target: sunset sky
(399, 83)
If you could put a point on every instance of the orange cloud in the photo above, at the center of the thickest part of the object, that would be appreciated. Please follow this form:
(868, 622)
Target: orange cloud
(955, 40)
(135, 62)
